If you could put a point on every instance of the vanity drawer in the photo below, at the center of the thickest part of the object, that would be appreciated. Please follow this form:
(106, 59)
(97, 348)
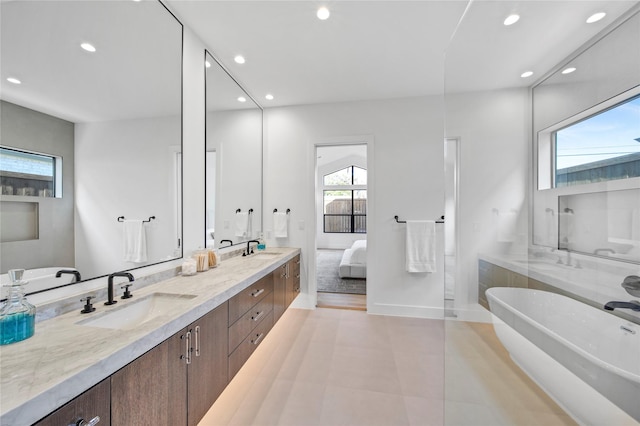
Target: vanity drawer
(249, 344)
(247, 298)
(241, 328)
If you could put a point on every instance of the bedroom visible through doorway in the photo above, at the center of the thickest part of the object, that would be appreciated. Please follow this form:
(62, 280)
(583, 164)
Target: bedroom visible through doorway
(341, 231)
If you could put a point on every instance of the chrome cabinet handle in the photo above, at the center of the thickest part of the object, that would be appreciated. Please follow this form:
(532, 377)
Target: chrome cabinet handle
(298, 262)
(197, 340)
(82, 422)
(188, 348)
(258, 293)
(257, 316)
(298, 276)
(257, 339)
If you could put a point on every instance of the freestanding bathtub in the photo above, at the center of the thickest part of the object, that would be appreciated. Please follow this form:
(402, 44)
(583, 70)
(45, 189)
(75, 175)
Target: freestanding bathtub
(587, 360)
(40, 279)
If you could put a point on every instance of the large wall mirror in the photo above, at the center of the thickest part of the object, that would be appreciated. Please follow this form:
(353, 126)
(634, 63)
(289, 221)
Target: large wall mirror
(233, 160)
(586, 129)
(95, 89)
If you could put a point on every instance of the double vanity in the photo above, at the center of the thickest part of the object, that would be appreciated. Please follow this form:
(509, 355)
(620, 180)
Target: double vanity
(162, 356)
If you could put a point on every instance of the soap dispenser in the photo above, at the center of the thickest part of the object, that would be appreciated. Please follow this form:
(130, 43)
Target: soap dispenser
(17, 316)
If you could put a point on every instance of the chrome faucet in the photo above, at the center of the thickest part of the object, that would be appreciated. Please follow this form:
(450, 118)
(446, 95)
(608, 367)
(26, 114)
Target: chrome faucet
(69, 271)
(110, 300)
(634, 305)
(247, 253)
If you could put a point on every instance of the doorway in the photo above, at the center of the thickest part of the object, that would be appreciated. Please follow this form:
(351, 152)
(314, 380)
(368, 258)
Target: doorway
(341, 203)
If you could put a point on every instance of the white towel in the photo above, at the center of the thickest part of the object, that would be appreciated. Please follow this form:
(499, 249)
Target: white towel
(135, 241)
(280, 225)
(242, 224)
(421, 246)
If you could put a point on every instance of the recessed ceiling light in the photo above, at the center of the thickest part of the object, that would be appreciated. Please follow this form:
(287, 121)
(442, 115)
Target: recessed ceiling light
(526, 74)
(239, 59)
(14, 80)
(568, 70)
(511, 19)
(242, 99)
(207, 64)
(269, 97)
(596, 17)
(88, 47)
(323, 13)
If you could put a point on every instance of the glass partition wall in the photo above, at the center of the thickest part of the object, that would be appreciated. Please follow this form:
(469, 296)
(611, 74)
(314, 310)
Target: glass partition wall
(542, 238)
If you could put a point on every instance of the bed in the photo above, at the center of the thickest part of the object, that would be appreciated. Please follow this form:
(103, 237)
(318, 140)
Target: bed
(354, 261)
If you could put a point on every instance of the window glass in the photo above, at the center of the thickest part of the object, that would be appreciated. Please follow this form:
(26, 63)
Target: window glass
(341, 177)
(359, 176)
(27, 174)
(605, 146)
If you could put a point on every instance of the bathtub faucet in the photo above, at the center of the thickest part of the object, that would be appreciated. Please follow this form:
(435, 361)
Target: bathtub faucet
(634, 305)
(69, 271)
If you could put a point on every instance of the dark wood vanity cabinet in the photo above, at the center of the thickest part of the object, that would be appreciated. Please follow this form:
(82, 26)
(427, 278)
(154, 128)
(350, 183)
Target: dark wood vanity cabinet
(95, 402)
(292, 287)
(152, 390)
(250, 319)
(207, 375)
(279, 292)
(177, 381)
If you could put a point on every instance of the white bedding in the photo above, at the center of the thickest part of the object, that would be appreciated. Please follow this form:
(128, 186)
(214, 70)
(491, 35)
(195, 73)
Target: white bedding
(354, 261)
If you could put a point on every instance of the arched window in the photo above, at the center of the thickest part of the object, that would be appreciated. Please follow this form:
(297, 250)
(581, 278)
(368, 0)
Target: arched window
(345, 201)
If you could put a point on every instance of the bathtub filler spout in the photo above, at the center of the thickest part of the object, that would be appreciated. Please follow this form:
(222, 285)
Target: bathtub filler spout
(634, 305)
(70, 272)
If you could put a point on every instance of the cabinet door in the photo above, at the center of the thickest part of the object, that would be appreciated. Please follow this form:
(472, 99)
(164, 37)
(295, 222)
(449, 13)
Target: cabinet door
(207, 374)
(279, 292)
(152, 390)
(292, 280)
(93, 403)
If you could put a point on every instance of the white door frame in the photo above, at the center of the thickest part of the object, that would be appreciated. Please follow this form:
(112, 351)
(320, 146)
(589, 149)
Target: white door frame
(312, 178)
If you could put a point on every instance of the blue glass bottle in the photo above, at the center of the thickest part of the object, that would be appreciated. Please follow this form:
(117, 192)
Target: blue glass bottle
(17, 316)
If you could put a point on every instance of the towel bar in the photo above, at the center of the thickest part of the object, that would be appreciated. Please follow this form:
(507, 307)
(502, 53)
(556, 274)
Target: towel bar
(441, 220)
(121, 219)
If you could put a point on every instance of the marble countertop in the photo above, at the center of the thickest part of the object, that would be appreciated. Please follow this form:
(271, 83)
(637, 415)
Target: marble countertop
(599, 281)
(64, 359)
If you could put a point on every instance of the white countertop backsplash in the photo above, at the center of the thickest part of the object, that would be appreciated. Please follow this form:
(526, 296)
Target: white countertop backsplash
(63, 359)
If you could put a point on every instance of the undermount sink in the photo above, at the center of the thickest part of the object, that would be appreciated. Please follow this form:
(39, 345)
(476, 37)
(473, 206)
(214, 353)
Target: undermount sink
(268, 254)
(135, 312)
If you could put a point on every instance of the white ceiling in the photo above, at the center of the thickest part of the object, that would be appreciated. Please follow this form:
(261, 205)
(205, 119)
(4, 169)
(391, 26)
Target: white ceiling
(365, 50)
(389, 49)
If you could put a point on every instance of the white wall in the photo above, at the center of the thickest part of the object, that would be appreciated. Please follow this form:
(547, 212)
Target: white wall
(494, 174)
(118, 175)
(405, 178)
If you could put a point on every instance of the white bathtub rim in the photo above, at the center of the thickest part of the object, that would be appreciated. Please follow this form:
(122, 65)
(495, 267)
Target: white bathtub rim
(614, 369)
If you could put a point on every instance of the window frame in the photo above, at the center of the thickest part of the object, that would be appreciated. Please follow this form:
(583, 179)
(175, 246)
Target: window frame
(347, 188)
(57, 168)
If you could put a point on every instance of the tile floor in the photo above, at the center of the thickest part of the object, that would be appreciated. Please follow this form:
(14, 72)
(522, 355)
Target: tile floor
(345, 367)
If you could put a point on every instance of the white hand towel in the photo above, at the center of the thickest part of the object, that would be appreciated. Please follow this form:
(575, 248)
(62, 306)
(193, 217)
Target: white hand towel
(421, 246)
(280, 224)
(135, 241)
(242, 224)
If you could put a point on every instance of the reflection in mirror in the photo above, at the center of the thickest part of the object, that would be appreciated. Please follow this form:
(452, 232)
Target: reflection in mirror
(106, 112)
(586, 129)
(233, 160)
